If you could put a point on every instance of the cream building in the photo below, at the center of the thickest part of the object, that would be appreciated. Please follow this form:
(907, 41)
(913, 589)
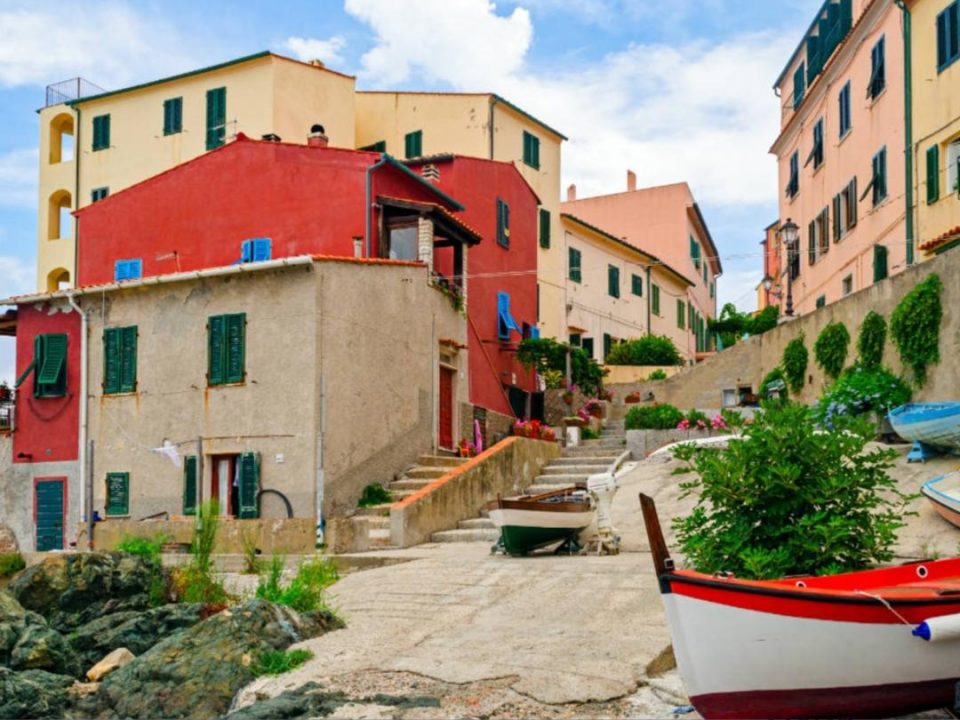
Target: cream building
(94, 144)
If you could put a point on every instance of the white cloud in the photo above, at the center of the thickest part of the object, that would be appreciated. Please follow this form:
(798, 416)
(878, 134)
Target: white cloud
(18, 178)
(460, 42)
(327, 51)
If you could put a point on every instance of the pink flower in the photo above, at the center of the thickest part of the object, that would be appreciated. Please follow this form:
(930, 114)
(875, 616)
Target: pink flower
(701, 424)
(718, 423)
(683, 424)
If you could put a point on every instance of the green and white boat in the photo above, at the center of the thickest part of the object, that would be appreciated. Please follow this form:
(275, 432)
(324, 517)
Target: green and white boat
(530, 522)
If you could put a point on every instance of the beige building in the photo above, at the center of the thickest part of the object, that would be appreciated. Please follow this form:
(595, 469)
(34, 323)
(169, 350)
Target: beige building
(615, 292)
(95, 144)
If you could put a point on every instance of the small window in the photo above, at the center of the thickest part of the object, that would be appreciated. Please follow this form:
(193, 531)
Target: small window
(505, 321)
(380, 146)
(226, 346)
(879, 183)
(948, 36)
(118, 493)
(878, 69)
(587, 344)
(503, 223)
(799, 86)
(953, 167)
(190, 485)
(821, 301)
(712, 290)
(844, 102)
(816, 152)
(574, 271)
(101, 132)
(98, 194)
(216, 117)
(544, 228)
(655, 299)
(173, 116)
(119, 360)
(613, 281)
(127, 269)
(847, 285)
(49, 366)
(413, 144)
(933, 174)
(636, 285)
(255, 250)
(793, 184)
(607, 345)
(704, 272)
(695, 252)
(531, 150)
(681, 314)
(880, 270)
(575, 339)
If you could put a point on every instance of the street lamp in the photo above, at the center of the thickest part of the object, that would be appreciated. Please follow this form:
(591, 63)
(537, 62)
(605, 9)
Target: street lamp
(789, 234)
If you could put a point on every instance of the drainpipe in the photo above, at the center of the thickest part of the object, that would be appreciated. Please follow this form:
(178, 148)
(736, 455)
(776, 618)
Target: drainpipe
(368, 207)
(649, 300)
(76, 199)
(908, 122)
(82, 441)
(493, 104)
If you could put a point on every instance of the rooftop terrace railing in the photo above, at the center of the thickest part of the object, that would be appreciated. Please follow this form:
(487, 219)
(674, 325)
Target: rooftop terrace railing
(72, 89)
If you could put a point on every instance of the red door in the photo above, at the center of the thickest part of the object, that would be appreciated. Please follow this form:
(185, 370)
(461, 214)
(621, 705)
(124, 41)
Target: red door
(445, 432)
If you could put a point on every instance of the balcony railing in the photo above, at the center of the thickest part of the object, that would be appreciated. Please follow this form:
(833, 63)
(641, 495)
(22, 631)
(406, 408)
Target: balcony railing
(72, 89)
(6, 415)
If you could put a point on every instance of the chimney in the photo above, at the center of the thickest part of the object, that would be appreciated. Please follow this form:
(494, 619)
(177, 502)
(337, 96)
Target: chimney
(631, 181)
(571, 193)
(317, 136)
(357, 246)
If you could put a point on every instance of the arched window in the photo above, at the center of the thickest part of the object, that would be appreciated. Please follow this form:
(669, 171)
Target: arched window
(59, 222)
(61, 138)
(58, 279)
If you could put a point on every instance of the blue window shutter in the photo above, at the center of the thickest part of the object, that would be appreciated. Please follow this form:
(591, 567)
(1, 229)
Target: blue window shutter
(534, 333)
(134, 269)
(261, 249)
(246, 251)
(119, 270)
(505, 321)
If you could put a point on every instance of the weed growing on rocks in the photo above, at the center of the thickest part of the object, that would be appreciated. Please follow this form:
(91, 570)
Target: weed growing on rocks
(305, 592)
(277, 662)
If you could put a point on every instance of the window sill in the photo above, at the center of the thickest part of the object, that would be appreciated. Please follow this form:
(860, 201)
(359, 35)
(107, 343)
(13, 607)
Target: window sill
(947, 65)
(133, 393)
(876, 98)
(226, 385)
(116, 517)
(844, 136)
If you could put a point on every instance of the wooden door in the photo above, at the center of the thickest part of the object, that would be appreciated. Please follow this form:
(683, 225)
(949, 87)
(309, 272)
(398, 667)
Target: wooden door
(49, 514)
(221, 483)
(445, 430)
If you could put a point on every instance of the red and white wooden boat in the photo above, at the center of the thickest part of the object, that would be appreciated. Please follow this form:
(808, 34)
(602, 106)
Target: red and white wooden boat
(846, 645)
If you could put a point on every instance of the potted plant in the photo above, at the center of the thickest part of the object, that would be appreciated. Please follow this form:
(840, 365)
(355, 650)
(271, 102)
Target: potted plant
(466, 448)
(632, 398)
(6, 394)
(574, 421)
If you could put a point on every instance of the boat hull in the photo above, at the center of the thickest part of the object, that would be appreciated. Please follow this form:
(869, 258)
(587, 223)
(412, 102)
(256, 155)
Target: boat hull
(934, 424)
(944, 494)
(523, 531)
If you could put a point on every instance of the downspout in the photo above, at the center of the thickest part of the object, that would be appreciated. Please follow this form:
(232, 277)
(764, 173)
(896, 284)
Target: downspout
(908, 122)
(493, 104)
(649, 300)
(368, 206)
(76, 200)
(82, 441)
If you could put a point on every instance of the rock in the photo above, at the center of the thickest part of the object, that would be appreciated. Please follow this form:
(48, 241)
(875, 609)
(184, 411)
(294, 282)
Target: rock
(136, 631)
(70, 590)
(40, 647)
(33, 694)
(8, 540)
(14, 619)
(310, 701)
(198, 671)
(114, 661)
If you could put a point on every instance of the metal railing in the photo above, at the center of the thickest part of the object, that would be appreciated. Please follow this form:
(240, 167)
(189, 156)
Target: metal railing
(72, 89)
(6, 415)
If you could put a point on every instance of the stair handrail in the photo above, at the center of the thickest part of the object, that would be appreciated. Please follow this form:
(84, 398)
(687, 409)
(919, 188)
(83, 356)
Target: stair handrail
(615, 465)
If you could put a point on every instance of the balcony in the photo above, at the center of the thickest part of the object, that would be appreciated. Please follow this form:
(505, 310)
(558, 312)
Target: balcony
(72, 89)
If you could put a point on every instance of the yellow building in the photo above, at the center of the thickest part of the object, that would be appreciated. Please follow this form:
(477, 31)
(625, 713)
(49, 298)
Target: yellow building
(615, 291)
(935, 115)
(413, 124)
(98, 144)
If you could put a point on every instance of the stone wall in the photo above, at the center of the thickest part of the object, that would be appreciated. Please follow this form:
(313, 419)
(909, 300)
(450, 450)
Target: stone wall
(641, 443)
(624, 374)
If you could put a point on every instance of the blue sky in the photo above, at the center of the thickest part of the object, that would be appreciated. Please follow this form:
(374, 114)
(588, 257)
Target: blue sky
(677, 90)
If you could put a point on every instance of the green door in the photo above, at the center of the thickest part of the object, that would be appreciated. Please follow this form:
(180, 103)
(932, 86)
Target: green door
(49, 512)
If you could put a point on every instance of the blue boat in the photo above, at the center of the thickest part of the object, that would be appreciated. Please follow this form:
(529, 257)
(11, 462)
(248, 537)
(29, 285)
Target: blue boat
(930, 426)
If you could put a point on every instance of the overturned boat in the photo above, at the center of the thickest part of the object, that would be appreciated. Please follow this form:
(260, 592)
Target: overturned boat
(927, 425)
(530, 522)
(875, 643)
(943, 492)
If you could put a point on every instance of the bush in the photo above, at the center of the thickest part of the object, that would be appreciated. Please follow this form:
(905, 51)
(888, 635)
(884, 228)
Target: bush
(653, 417)
(587, 433)
(305, 592)
(861, 390)
(658, 374)
(830, 349)
(763, 321)
(147, 548)
(646, 350)
(695, 416)
(915, 327)
(788, 499)
(775, 376)
(870, 341)
(195, 582)
(794, 364)
(11, 564)
(277, 662)
(374, 494)
(546, 354)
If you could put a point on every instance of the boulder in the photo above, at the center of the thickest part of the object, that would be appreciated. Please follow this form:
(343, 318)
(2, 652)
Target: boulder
(40, 647)
(14, 620)
(8, 540)
(312, 701)
(33, 694)
(198, 671)
(70, 590)
(114, 661)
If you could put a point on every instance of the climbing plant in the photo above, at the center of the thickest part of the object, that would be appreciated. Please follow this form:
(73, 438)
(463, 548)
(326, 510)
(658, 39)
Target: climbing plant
(915, 327)
(870, 341)
(794, 363)
(830, 349)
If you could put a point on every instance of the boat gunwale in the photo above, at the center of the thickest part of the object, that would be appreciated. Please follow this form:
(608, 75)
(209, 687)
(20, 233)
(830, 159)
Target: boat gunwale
(562, 507)
(923, 412)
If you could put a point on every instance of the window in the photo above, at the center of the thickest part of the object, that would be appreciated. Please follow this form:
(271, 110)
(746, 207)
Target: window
(101, 132)
(607, 345)
(793, 185)
(818, 241)
(259, 249)
(845, 210)
(844, 101)
(226, 347)
(793, 263)
(712, 291)
(99, 194)
(505, 321)
(413, 144)
(821, 301)
(544, 228)
(636, 285)
(173, 116)
(190, 485)
(119, 360)
(575, 339)
(531, 150)
(799, 86)
(948, 36)
(681, 314)
(655, 299)
(878, 70)
(49, 366)
(880, 270)
(816, 152)
(695, 252)
(588, 346)
(380, 146)
(127, 269)
(847, 285)
(403, 242)
(613, 281)
(704, 272)
(248, 485)
(879, 181)
(216, 117)
(573, 269)
(933, 174)
(503, 223)
(953, 167)
(118, 493)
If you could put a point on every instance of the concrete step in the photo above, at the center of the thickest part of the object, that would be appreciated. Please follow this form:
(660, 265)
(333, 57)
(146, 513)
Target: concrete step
(604, 442)
(375, 509)
(440, 460)
(476, 524)
(560, 479)
(380, 537)
(579, 460)
(537, 489)
(472, 535)
(409, 484)
(425, 472)
(377, 522)
(591, 452)
(401, 494)
(570, 469)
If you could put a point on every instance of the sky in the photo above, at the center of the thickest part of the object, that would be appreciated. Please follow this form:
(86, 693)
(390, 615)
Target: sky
(678, 90)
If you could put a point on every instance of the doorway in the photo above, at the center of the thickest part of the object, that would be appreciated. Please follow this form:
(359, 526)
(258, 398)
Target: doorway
(49, 500)
(224, 484)
(445, 414)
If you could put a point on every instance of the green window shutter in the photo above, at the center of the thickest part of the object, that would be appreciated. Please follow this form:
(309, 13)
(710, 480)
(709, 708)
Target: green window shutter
(118, 493)
(52, 368)
(544, 228)
(190, 485)
(933, 174)
(503, 223)
(613, 281)
(636, 285)
(111, 360)
(249, 485)
(574, 270)
(607, 345)
(128, 359)
(173, 116)
(799, 85)
(655, 298)
(531, 150)
(216, 117)
(379, 146)
(690, 313)
(681, 314)
(216, 347)
(712, 290)
(413, 144)
(821, 301)
(236, 347)
(101, 132)
(879, 263)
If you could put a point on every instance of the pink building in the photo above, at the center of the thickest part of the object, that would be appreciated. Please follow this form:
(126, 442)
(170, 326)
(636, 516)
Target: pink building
(840, 152)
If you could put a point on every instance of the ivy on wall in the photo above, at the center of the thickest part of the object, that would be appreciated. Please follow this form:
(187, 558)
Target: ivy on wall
(830, 349)
(915, 327)
(794, 363)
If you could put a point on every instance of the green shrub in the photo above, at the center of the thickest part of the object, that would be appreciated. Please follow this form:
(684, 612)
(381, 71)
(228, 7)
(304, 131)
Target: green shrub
(305, 591)
(774, 376)
(763, 321)
(588, 433)
(148, 548)
(374, 494)
(546, 354)
(794, 364)
(11, 564)
(788, 499)
(277, 662)
(653, 417)
(658, 374)
(646, 350)
(870, 341)
(862, 390)
(195, 582)
(830, 349)
(695, 416)
(915, 327)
